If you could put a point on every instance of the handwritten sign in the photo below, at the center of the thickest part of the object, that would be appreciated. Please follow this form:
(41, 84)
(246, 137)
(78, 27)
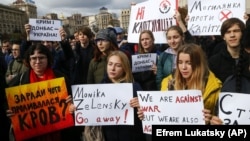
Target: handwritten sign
(45, 30)
(143, 62)
(103, 104)
(154, 15)
(234, 108)
(170, 108)
(39, 108)
(207, 16)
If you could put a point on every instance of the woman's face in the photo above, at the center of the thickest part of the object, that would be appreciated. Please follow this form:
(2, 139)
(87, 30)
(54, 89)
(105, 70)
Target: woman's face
(146, 41)
(184, 65)
(103, 45)
(114, 68)
(38, 62)
(174, 39)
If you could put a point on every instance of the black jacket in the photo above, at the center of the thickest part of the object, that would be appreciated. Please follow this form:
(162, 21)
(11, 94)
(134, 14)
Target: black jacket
(125, 132)
(223, 65)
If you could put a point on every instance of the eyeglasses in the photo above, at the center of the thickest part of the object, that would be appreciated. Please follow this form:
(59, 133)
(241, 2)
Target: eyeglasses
(14, 49)
(40, 58)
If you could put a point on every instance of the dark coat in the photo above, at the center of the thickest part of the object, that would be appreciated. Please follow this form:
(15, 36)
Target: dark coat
(4, 120)
(147, 79)
(124, 132)
(230, 85)
(80, 64)
(223, 65)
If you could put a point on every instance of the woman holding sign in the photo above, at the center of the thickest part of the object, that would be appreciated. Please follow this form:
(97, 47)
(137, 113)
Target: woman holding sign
(192, 72)
(39, 61)
(146, 45)
(119, 71)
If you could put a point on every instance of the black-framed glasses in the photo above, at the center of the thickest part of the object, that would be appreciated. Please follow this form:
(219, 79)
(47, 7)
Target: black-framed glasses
(40, 58)
(14, 49)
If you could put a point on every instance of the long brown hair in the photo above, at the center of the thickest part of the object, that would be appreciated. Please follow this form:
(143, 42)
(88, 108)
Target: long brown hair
(199, 67)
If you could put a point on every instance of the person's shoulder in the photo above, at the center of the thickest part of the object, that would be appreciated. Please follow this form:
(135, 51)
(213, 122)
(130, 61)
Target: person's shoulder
(229, 84)
(58, 73)
(20, 79)
(213, 79)
(136, 86)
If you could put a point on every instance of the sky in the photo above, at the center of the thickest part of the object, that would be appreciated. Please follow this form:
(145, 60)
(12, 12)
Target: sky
(84, 7)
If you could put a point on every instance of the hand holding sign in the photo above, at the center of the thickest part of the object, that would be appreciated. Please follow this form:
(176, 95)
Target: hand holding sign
(39, 108)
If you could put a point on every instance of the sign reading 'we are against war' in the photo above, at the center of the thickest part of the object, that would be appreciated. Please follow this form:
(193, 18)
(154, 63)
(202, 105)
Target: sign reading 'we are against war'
(103, 104)
(39, 108)
(183, 107)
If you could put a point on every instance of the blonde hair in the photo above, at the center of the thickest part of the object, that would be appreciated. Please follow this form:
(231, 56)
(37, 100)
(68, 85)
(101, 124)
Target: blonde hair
(127, 77)
(199, 66)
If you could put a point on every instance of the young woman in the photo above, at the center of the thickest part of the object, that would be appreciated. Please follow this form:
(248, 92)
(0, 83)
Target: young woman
(146, 45)
(119, 71)
(176, 35)
(166, 63)
(192, 72)
(106, 42)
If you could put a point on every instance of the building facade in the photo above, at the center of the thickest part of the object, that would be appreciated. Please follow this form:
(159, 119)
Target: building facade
(103, 18)
(12, 20)
(75, 22)
(28, 6)
(14, 16)
(125, 16)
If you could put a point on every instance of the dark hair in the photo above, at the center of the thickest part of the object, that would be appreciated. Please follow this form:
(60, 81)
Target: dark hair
(41, 49)
(98, 53)
(176, 28)
(86, 31)
(229, 23)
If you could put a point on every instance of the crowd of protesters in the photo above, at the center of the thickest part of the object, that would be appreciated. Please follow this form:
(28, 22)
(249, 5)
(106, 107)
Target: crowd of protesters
(209, 63)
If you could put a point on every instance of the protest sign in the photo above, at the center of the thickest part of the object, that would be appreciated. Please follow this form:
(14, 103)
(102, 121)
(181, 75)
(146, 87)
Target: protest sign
(45, 30)
(180, 107)
(207, 16)
(103, 104)
(39, 108)
(143, 62)
(153, 15)
(234, 108)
